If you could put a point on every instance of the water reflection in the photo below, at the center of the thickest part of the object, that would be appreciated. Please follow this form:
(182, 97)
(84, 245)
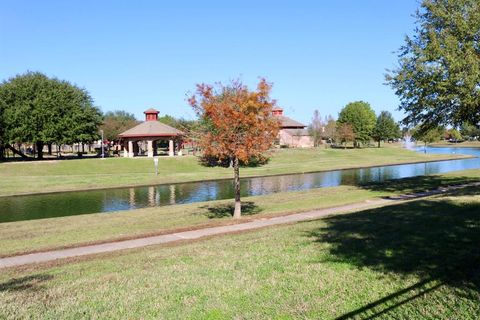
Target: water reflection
(108, 200)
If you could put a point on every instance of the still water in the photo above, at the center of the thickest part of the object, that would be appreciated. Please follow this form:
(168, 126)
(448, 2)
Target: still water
(31, 207)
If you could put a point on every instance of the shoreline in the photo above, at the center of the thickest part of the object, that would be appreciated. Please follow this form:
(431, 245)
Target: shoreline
(180, 235)
(453, 145)
(457, 157)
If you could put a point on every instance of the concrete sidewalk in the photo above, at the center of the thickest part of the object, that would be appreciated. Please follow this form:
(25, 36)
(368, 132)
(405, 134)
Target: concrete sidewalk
(179, 236)
(200, 233)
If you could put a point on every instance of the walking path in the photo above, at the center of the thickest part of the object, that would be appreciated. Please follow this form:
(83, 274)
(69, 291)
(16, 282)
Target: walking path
(200, 233)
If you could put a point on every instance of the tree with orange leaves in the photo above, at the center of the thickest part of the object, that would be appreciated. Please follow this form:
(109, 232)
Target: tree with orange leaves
(238, 124)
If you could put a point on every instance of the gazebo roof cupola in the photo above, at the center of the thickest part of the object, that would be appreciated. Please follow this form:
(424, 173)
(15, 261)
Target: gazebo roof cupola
(277, 111)
(151, 114)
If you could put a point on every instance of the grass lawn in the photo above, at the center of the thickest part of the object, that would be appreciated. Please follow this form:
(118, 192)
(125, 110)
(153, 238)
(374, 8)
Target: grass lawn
(416, 260)
(48, 176)
(35, 235)
(465, 144)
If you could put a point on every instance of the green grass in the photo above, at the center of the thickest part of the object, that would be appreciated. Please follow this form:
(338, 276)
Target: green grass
(24, 236)
(49, 176)
(34, 235)
(416, 260)
(465, 144)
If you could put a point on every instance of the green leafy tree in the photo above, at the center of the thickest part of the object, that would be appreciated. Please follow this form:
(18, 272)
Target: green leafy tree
(361, 117)
(469, 131)
(116, 122)
(87, 120)
(3, 138)
(385, 128)
(438, 78)
(428, 135)
(454, 134)
(182, 124)
(169, 120)
(44, 110)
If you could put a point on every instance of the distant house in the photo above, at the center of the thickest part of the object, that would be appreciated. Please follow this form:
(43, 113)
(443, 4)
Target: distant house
(292, 133)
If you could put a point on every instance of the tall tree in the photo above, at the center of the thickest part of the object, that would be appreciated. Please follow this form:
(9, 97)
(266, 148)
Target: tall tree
(469, 131)
(238, 124)
(3, 138)
(316, 128)
(169, 120)
(453, 134)
(428, 135)
(438, 78)
(116, 122)
(179, 123)
(361, 117)
(330, 128)
(345, 134)
(385, 128)
(44, 110)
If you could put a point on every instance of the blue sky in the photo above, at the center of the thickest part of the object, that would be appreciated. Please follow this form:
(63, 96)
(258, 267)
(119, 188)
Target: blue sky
(133, 55)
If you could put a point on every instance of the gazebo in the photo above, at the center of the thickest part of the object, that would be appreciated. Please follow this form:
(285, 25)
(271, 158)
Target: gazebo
(150, 131)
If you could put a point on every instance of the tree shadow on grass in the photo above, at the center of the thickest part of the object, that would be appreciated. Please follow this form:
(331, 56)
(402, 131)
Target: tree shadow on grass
(226, 210)
(417, 184)
(32, 282)
(435, 239)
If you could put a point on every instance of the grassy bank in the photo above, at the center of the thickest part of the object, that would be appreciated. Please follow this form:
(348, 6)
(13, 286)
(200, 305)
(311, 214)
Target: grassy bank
(417, 260)
(34, 235)
(49, 176)
(465, 144)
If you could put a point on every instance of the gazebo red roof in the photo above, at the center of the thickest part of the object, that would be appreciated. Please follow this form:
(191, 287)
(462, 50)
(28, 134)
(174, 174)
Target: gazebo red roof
(151, 110)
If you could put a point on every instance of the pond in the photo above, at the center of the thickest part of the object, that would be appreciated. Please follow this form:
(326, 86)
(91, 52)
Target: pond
(16, 208)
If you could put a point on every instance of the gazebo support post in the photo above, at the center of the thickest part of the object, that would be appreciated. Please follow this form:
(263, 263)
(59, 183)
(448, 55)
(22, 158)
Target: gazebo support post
(125, 150)
(130, 148)
(171, 151)
(150, 148)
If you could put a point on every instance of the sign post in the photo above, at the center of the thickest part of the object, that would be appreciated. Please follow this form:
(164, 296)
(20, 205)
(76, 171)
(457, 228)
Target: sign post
(155, 162)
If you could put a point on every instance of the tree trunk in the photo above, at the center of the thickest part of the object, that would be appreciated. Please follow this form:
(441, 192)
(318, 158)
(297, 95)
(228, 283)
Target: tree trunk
(379, 143)
(49, 149)
(238, 204)
(15, 151)
(2, 150)
(39, 149)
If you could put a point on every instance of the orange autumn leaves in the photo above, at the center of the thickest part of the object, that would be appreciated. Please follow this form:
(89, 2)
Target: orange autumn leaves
(237, 123)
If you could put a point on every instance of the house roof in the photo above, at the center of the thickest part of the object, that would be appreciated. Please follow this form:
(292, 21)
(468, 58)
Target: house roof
(286, 122)
(151, 129)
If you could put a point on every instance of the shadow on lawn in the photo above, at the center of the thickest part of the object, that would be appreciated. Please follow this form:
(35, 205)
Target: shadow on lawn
(32, 282)
(437, 239)
(417, 184)
(226, 210)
